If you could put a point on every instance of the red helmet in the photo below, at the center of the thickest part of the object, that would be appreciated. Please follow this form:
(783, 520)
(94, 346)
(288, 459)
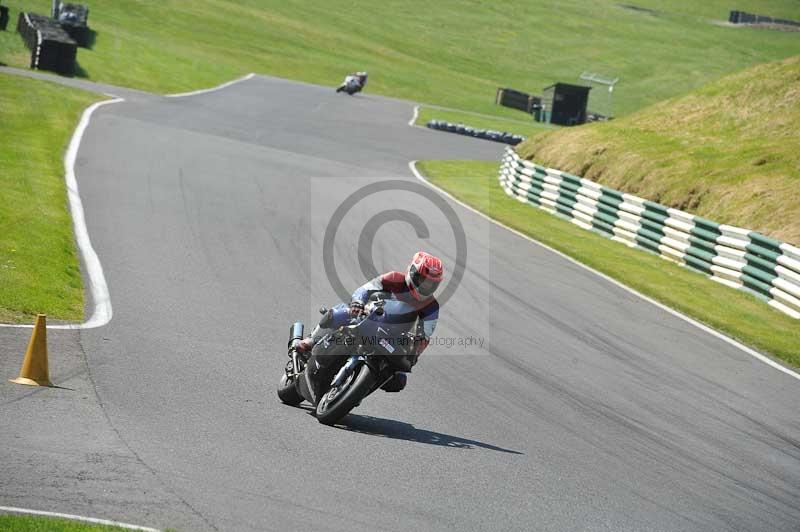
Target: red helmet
(424, 275)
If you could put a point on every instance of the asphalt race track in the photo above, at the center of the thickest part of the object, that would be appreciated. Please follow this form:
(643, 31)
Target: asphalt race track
(586, 408)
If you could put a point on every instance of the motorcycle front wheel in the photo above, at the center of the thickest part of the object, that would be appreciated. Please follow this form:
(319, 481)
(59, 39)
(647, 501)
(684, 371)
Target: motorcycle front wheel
(339, 401)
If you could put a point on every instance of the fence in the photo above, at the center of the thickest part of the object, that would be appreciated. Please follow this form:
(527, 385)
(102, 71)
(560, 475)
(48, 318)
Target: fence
(736, 257)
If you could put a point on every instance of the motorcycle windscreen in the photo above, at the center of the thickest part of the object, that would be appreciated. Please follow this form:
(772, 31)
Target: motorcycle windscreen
(387, 333)
(340, 316)
(397, 312)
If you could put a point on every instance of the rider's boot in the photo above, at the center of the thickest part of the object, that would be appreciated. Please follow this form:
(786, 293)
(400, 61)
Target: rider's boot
(396, 383)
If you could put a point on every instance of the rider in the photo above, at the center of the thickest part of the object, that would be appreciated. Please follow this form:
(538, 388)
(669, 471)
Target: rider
(355, 80)
(415, 287)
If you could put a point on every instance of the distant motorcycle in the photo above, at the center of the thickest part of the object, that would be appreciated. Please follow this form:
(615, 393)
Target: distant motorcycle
(368, 350)
(353, 83)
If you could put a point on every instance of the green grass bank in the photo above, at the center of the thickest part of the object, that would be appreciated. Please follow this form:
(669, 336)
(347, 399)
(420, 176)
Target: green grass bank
(729, 151)
(451, 53)
(737, 314)
(39, 270)
(30, 523)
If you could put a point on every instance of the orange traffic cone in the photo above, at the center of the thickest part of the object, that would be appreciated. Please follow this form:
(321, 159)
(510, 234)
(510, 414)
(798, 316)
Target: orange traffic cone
(34, 370)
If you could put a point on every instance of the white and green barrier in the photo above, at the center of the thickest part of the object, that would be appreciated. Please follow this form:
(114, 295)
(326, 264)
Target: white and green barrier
(733, 256)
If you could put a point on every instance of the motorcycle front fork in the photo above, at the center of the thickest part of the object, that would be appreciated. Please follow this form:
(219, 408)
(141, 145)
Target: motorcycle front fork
(295, 366)
(347, 369)
(350, 366)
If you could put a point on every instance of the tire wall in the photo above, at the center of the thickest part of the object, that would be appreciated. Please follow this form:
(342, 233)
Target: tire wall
(733, 256)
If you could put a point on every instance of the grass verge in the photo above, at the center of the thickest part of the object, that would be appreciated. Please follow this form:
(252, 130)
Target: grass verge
(729, 151)
(735, 313)
(481, 121)
(39, 270)
(452, 52)
(29, 523)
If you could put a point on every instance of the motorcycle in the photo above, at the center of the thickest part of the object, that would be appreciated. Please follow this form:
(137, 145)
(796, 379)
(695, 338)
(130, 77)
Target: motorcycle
(365, 351)
(353, 83)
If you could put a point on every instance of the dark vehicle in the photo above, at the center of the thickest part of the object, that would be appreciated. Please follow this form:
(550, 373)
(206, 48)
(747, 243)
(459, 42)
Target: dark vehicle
(367, 352)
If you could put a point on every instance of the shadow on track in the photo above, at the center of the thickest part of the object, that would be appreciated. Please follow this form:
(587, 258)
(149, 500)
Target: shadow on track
(388, 428)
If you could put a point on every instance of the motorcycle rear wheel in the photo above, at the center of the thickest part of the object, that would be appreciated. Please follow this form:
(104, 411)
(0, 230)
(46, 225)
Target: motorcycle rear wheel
(329, 411)
(287, 391)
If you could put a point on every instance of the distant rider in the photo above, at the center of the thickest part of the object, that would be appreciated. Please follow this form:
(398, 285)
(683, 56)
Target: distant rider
(354, 82)
(415, 287)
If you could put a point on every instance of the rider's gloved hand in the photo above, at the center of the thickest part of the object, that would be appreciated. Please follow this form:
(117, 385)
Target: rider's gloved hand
(356, 308)
(420, 343)
(305, 345)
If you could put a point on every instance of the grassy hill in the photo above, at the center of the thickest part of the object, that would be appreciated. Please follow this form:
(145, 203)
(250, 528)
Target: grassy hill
(729, 151)
(452, 53)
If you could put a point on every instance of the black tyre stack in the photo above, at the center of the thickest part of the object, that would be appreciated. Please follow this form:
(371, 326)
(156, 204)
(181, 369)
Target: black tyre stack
(3, 18)
(461, 129)
(27, 30)
(51, 47)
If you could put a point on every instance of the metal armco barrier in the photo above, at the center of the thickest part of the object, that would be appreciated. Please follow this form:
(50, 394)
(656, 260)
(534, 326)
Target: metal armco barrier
(730, 255)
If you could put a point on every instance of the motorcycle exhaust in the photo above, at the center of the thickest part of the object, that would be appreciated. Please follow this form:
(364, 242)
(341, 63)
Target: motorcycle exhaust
(295, 335)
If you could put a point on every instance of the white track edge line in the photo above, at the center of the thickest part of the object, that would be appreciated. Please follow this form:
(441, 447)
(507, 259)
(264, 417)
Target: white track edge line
(212, 89)
(414, 118)
(98, 287)
(750, 351)
(92, 520)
